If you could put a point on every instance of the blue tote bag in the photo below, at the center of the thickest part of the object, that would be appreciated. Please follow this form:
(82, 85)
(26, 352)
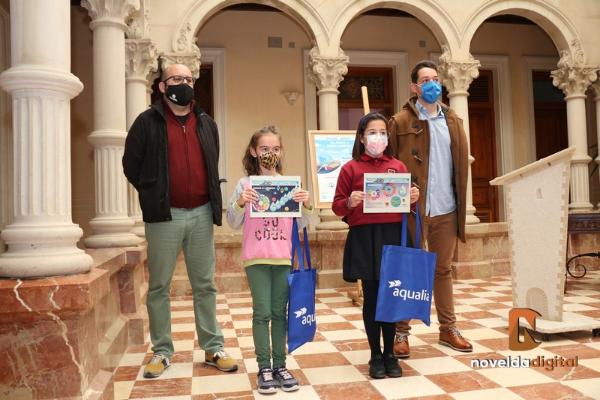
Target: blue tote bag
(406, 280)
(302, 324)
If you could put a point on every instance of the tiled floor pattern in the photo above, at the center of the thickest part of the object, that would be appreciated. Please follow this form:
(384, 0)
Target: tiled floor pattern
(334, 366)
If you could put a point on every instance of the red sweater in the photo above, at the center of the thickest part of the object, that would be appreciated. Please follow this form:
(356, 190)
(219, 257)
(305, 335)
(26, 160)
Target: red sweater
(188, 181)
(351, 179)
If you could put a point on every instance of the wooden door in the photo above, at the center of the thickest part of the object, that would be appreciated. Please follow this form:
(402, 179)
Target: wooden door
(203, 89)
(483, 146)
(550, 113)
(379, 83)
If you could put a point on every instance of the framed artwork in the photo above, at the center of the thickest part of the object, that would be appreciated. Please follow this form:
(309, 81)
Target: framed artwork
(328, 152)
(275, 196)
(387, 193)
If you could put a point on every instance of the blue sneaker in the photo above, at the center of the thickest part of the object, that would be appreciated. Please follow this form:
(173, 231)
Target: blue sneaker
(265, 381)
(286, 380)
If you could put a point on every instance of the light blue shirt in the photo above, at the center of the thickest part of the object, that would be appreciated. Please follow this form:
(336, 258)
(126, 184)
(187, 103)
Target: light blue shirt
(440, 193)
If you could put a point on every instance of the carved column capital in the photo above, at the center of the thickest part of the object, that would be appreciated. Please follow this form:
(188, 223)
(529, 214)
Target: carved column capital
(191, 60)
(573, 76)
(110, 12)
(141, 58)
(184, 42)
(457, 75)
(327, 72)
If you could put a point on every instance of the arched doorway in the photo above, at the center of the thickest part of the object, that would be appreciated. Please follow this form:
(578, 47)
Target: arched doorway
(262, 61)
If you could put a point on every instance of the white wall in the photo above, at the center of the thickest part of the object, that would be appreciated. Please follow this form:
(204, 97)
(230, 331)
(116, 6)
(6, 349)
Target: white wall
(255, 76)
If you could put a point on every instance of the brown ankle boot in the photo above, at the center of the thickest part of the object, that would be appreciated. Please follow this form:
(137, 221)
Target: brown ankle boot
(401, 347)
(452, 338)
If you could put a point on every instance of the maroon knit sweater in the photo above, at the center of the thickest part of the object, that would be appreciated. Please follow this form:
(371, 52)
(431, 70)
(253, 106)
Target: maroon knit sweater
(188, 183)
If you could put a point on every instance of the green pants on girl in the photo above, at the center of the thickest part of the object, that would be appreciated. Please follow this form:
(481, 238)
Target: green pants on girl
(269, 288)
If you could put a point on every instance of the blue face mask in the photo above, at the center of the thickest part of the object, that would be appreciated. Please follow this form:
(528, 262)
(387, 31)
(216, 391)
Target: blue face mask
(431, 91)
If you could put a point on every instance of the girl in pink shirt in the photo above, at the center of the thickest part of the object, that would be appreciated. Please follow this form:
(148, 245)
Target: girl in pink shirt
(266, 254)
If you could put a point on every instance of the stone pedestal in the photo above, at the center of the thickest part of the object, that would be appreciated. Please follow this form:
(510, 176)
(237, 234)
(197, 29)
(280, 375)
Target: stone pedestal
(485, 253)
(62, 337)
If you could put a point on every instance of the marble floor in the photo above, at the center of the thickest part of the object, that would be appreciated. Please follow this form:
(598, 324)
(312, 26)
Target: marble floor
(334, 366)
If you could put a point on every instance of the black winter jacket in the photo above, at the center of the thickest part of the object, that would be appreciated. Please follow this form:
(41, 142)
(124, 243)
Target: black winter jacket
(146, 164)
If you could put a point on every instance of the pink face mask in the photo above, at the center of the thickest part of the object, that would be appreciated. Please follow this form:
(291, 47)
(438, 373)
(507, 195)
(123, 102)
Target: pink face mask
(376, 145)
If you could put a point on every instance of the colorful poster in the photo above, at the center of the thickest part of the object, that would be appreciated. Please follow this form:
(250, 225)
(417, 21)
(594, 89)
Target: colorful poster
(275, 196)
(329, 152)
(387, 193)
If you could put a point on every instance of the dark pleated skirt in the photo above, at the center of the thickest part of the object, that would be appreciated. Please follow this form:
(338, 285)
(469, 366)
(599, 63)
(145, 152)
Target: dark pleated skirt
(364, 245)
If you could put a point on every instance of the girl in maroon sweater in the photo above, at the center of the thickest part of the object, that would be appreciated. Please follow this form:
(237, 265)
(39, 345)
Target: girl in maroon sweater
(369, 233)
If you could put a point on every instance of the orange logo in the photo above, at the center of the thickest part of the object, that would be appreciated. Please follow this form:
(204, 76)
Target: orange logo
(528, 342)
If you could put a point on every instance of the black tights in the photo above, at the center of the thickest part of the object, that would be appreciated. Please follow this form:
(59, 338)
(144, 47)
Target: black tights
(373, 327)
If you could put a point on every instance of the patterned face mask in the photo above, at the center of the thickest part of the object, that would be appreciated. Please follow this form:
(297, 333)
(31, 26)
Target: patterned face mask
(268, 160)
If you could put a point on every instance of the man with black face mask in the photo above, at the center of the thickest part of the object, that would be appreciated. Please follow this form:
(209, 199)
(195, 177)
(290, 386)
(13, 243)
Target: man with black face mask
(171, 157)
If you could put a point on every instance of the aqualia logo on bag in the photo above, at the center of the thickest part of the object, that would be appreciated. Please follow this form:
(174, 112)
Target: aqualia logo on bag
(306, 319)
(422, 295)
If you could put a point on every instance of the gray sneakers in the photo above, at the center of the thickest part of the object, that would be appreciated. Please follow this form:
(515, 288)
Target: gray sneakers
(265, 381)
(286, 380)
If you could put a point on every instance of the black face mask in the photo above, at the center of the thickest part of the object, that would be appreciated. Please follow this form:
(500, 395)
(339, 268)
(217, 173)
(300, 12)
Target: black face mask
(181, 94)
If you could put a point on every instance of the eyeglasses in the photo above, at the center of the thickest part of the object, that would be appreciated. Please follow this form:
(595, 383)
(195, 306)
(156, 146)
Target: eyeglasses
(179, 79)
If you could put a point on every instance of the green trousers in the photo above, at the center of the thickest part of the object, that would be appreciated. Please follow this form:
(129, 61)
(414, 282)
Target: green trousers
(192, 231)
(269, 288)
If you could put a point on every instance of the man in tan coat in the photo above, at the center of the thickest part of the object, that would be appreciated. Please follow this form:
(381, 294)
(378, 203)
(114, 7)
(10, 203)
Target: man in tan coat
(430, 139)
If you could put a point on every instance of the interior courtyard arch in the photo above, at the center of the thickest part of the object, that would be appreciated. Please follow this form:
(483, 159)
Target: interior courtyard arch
(301, 11)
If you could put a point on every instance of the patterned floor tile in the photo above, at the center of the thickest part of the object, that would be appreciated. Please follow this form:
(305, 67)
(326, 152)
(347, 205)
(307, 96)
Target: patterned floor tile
(335, 365)
(462, 381)
(406, 387)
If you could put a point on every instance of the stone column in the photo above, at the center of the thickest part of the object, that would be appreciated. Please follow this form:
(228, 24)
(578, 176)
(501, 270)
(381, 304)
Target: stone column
(457, 76)
(573, 77)
(327, 73)
(111, 225)
(42, 237)
(596, 87)
(141, 61)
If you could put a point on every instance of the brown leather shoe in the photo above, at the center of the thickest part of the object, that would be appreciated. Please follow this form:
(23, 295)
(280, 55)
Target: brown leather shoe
(453, 339)
(401, 347)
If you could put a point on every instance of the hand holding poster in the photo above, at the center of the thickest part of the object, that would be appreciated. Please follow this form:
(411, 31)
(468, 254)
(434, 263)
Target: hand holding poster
(386, 193)
(275, 196)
